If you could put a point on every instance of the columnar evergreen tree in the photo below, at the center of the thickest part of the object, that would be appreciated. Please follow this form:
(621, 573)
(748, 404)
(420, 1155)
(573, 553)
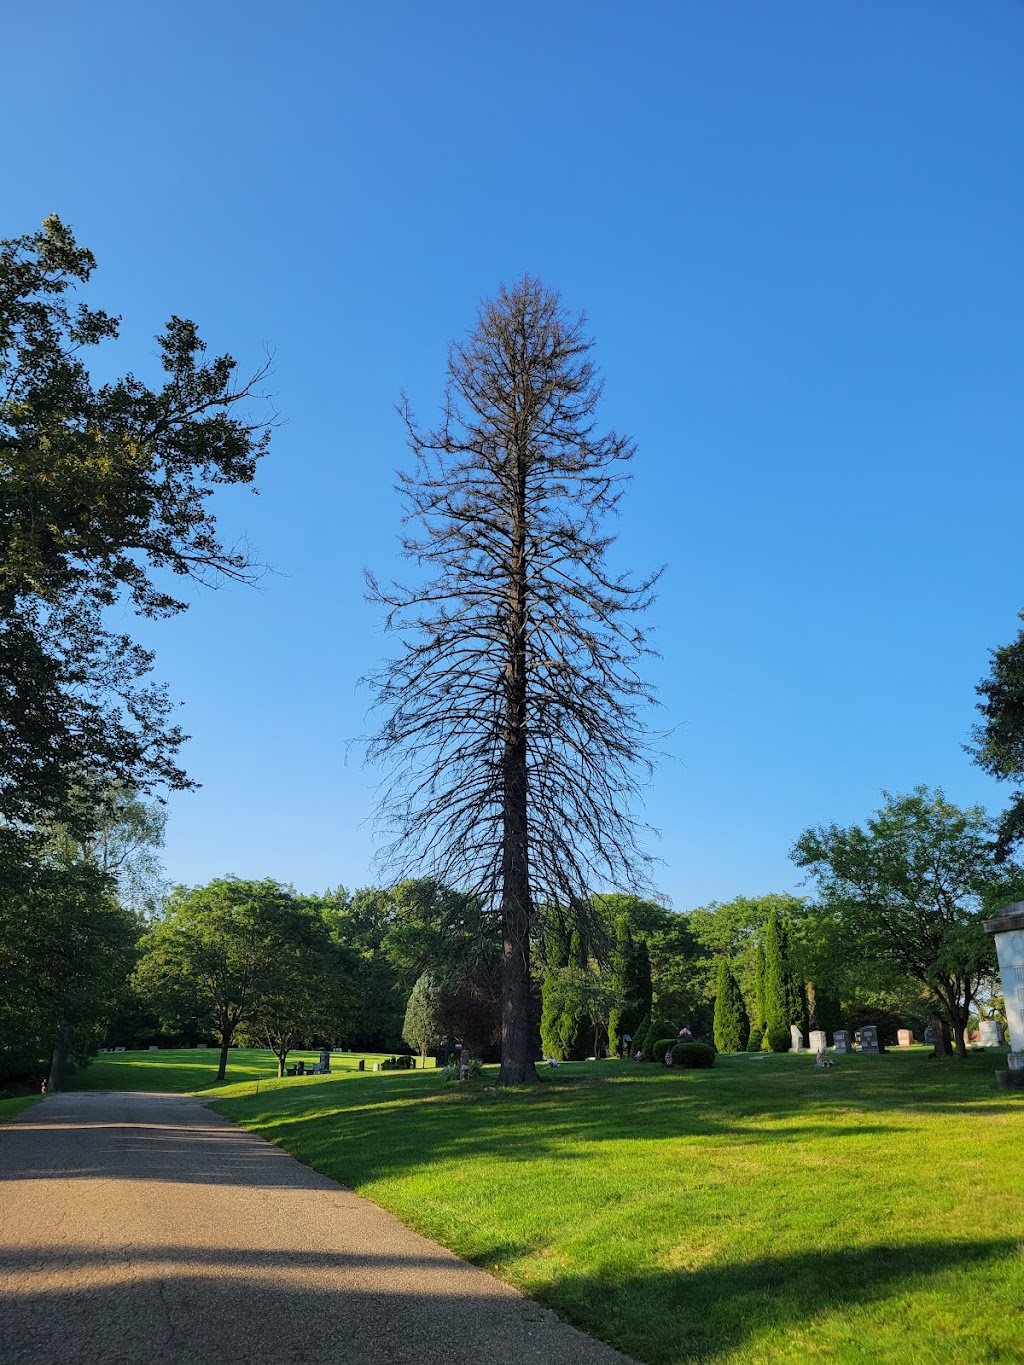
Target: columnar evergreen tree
(421, 1029)
(731, 1023)
(776, 995)
(756, 1033)
(513, 714)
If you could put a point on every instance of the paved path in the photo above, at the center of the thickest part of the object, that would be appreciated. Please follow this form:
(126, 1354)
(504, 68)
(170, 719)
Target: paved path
(144, 1228)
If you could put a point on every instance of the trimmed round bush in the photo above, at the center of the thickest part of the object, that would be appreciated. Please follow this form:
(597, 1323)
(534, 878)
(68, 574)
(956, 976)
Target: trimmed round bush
(695, 1056)
(662, 1046)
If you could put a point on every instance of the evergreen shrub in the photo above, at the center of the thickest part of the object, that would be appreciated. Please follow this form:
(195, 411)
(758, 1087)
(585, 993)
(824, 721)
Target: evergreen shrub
(695, 1056)
(661, 1046)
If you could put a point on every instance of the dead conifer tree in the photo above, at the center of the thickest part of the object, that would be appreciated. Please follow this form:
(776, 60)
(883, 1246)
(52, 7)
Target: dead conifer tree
(512, 729)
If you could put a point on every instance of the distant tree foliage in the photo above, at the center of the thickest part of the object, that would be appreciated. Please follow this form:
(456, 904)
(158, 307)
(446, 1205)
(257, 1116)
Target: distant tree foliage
(513, 714)
(908, 892)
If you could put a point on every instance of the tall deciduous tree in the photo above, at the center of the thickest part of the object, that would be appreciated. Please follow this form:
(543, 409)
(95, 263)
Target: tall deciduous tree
(513, 713)
(101, 487)
(999, 741)
(218, 954)
(909, 891)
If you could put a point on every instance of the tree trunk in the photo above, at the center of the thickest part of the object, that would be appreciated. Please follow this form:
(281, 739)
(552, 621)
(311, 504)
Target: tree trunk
(222, 1066)
(59, 1061)
(281, 1057)
(516, 1034)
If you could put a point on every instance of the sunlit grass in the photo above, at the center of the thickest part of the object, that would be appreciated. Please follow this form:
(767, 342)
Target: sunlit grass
(761, 1211)
(193, 1070)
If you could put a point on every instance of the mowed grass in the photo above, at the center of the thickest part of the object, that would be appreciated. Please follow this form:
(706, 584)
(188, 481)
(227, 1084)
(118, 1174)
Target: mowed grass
(194, 1070)
(762, 1211)
(15, 1104)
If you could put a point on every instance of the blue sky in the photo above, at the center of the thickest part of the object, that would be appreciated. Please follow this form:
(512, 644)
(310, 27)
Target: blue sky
(796, 232)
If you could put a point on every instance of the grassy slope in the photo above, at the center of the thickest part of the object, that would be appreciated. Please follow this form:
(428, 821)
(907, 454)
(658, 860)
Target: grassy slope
(762, 1211)
(189, 1071)
(10, 1107)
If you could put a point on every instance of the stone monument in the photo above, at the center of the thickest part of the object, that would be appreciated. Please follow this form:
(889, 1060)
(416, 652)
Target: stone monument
(904, 1037)
(796, 1038)
(325, 1061)
(991, 1033)
(869, 1041)
(818, 1040)
(842, 1041)
(1008, 930)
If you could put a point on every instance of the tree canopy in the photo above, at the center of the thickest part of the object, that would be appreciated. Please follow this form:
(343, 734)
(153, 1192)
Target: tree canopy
(909, 890)
(104, 498)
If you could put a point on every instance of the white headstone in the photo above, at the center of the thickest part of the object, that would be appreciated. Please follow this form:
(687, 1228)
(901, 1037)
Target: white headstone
(818, 1040)
(991, 1033)
(796, 1038)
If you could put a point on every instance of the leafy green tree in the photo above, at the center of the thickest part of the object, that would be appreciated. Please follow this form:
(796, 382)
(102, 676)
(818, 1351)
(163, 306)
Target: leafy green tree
(66, 951)
(217, 953)
(101, 488)
(308, 994)
(731, 1023)
(998, 742)
(630, 983)
(513, 715)
(908, 892)
(421, 1029)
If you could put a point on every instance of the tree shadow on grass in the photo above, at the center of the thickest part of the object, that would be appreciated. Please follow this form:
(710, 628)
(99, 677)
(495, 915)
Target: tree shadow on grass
(702, 1315)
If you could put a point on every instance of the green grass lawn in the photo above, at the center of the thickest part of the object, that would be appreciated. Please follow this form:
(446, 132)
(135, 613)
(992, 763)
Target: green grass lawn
(191, 1070)
(14, 1105)
(762, 1211)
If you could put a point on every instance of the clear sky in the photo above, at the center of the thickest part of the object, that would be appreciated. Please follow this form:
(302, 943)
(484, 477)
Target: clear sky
(796, 230)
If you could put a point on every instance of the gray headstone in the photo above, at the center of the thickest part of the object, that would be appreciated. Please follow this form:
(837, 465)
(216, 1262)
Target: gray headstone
(154, 1047)
(842, 1040)
(200, 1045)
(818, 1040)
(118, 1049)
(904, 1037)
(929, 1035)
(796, 1038)
(325, 1061)
(869, 1039)
(991, 1033)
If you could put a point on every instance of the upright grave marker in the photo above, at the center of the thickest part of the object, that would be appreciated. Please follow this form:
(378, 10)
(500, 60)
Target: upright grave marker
(818, 1040)
(904, 1037)
(1008, 930)
(991, 1033)
(842, 1040)
(869, 1039)
(796, 1038)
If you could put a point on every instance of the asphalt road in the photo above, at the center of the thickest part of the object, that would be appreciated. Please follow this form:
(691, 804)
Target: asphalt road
(144, 1228)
